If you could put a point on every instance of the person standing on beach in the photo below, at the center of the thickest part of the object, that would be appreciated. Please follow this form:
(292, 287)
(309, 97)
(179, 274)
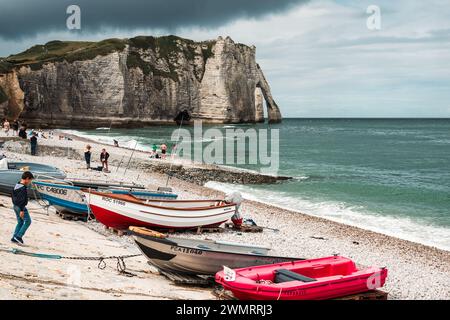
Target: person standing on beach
(153, 153)
(6, 127)
(163, 150)
(33, 143)
(15, 127)
(87, 156)
(20, 201)
(104, 159)
(23, 131)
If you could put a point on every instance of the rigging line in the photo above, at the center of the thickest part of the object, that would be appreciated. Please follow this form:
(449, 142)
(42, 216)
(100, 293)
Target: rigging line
(129, 160)
(171, 160)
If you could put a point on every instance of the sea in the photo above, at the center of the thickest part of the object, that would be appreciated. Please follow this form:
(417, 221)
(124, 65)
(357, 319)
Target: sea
(386, 175)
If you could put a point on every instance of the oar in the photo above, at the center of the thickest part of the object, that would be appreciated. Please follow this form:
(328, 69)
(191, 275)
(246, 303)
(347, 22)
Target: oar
(275, 230)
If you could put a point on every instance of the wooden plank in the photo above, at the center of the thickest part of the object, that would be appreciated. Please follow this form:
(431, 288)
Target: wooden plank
(183, 279)
(223, 294)
(72, 216)
(369, 295)
(115, 231)
(244, 227)
(201, 230)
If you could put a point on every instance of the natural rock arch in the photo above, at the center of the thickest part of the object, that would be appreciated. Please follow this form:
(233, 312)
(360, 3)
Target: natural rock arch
(273, 111)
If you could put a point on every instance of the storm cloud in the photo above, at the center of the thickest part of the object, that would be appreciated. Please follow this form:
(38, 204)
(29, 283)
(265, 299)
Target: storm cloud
(23, 18)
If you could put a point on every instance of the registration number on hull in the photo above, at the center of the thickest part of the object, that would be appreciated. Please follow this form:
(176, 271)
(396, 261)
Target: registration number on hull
(54, 190)
(186, 250)
(115, 201)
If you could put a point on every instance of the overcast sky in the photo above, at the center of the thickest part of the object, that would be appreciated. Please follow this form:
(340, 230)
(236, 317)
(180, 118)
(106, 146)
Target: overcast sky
(319, 56)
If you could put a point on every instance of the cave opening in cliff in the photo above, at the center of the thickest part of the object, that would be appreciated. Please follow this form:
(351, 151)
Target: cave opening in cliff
(183, 117)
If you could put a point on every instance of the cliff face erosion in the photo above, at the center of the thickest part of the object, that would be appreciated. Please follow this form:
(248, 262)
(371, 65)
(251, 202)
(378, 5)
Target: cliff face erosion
(134, 82)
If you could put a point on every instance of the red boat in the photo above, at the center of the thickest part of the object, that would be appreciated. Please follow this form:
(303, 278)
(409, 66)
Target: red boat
(315, 279)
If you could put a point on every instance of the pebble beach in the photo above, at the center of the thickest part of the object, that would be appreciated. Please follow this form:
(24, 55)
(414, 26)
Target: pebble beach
(416, 271)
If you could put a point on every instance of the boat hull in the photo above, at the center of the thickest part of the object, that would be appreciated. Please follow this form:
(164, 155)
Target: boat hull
(170, 255)
(121, 214)
(9, 177)
(246, 287)
(68, 198)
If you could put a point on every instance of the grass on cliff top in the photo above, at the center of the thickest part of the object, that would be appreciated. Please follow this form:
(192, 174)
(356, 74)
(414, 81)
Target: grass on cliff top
(3, 96)
(5, 66)
(69, 51)
(167, 47)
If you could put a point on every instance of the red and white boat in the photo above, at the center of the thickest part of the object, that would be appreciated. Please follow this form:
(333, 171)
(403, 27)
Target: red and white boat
(315, 279)
(122, 211)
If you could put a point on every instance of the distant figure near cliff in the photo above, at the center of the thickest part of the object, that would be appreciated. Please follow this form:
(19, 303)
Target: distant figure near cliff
(6, 127)
(15, 127)
(33, 143)
(23, 132)
(87, 156)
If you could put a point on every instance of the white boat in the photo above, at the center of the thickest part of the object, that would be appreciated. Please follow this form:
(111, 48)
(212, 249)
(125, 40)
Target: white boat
(122, 211)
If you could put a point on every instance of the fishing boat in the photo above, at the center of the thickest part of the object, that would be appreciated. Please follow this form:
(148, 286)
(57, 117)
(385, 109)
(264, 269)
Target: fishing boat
(11, 173)
(66, 196)
(122, 211)
(199, 257)
(315, 279)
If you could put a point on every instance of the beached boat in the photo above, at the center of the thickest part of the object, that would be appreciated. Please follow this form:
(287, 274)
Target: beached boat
(199, 257)
(315, 279)
(11, 173)
(122, 211)
(67, 197)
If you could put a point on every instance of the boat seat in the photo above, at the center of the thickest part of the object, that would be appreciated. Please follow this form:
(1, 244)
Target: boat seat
(283, 275)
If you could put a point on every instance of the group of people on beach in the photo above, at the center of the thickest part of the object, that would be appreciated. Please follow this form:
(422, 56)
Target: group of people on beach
(104, 156)
(154, 153)
(15, 125)
(21, 130)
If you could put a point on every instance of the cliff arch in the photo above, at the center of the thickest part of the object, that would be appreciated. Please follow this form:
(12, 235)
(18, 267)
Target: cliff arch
(273, 111)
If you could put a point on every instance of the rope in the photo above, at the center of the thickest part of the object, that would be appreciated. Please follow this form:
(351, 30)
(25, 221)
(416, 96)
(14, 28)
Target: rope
(45, 206)
(121, 266)
(129, 160)
(173, 156)
(279, 295)
(90, 213)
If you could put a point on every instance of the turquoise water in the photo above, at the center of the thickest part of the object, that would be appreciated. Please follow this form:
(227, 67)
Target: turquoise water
(391, 176)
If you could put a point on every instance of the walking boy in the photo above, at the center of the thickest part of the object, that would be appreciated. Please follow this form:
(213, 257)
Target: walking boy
(20, 200)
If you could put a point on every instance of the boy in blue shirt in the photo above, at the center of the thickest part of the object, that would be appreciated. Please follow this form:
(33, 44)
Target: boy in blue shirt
(20, 200)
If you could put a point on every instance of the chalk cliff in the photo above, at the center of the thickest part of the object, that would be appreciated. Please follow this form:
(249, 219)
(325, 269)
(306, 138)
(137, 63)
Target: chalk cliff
(135, 81)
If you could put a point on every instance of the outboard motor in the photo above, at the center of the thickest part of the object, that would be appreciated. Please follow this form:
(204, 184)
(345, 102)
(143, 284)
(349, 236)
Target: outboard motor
(236, 198)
